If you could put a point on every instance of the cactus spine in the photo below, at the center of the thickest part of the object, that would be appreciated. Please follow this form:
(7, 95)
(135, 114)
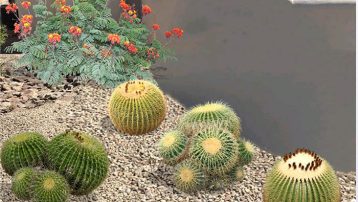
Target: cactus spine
(302, 176)
(22, 183)
(172, 147)
(81, 158)
(23, 150)
(246, 152)
(189, 176)
(137, 107)
(51, 187)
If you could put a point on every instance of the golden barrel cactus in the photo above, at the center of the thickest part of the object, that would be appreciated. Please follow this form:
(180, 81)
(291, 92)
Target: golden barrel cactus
(137, 107)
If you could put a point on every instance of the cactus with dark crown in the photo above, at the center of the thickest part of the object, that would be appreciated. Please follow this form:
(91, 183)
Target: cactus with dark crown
(210, 114)
(22, 183)
(246, 152)
(50, 186)
(301, 176)
(81, 158)
(137, 107)
(26, 149)
(189, 177)
(173, 147)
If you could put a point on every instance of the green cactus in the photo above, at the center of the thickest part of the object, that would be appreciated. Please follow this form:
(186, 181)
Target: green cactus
(215, 149)
(172, 147)
(301, 176)
(23, 150)
(81, 158)
(22, 183)
(210, 114)
(50, 186)
(188, 176)
(137, 107)
(236, 174)
(246, 152)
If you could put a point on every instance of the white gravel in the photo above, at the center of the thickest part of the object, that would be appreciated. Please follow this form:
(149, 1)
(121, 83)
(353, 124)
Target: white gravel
(136, 171)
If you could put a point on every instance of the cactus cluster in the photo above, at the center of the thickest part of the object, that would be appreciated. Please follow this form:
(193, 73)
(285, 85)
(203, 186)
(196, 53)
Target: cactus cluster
(137, 107)
(78, 161)
(301, 176)
(206, 148)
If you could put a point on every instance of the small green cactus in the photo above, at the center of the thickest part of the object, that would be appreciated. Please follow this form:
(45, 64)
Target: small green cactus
(215, 149)
(22, 183)
(137, 107)
(246, 152)
(236, 174)
(23, 150)
(172, 147)
(81, 158)
(188, 176)
(50, 186)
(301, 176)
(210, 114)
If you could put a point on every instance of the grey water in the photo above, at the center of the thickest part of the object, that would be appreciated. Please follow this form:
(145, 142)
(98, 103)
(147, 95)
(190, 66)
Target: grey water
(287, 70)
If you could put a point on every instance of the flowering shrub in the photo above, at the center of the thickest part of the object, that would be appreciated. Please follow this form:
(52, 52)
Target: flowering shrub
(84, 40)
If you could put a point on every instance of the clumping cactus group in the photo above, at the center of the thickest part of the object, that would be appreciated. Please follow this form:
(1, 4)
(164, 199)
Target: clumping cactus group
(206, 148)
(72, 162)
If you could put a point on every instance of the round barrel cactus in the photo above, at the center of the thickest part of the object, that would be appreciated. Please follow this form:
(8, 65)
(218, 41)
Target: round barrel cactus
(23, 150)
(22, 183)
(81, 158)
(246, 152)
(50, 186)
(236, 173)
(301, 176)
(210, 114)
(137, 107)
(188, 176)
(172, 147)
(215, 149)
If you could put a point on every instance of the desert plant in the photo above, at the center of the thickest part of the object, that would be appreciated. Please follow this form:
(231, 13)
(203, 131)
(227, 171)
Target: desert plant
(209, 114)
(236, 174)
(173, 147)
(188, 176)
(26, 149)
(50, 186)
(246, 152)
(22, 183)
(137, 107)
(3, 34)
(301, 176)
(83, 39)
(80, 158)
(215, 149)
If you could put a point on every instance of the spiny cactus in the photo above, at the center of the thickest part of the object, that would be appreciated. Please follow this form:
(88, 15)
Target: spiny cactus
(188, 176)
(81, 158)
(23, 150)
(215, 113)
(50, 186)
(236, 174)
(137, 107)
(215, 149)
(302, 176)
(22, 183)
(246, 152)
(172, 147)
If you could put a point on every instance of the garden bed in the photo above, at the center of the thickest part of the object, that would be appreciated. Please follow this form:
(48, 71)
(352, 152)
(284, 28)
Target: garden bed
(136, 170)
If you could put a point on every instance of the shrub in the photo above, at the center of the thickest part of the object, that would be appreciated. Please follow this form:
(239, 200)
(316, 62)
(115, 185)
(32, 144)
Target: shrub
(84, 40)
(137, 107)
(80, 158)
(23, 150)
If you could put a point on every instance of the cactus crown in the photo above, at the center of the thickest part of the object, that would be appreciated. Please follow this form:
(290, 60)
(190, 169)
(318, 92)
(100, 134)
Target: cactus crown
(210, 107)
(134, 89)
(212, 145)
(168, 140)
(83, 140)
(48, 184)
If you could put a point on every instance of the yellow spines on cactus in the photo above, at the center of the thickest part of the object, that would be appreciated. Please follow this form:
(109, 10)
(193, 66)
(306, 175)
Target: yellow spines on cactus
(137, 107)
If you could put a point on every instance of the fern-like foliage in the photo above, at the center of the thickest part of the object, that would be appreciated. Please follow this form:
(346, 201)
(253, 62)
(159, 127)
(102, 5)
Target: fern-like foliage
(89, 55)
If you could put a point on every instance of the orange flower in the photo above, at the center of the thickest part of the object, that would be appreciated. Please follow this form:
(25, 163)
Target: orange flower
(66, 9)
(178, 32)
(60, 2)
(124, 5)
(146, 10)
(26, 4)
(54, 38)
(11, 8)
(114, 39)
(168, 34)
(152, 54)
(17, 28)
(26, 18)
(75, 31)
(156, 27)
(27, 25)
(132, 49)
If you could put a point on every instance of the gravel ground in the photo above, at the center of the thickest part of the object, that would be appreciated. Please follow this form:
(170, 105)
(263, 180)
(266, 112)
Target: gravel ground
(136, 172)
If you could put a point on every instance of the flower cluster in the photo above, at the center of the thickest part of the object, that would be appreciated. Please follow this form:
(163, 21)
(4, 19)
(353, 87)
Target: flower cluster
(75, 31)
(54, 38)
(25, 25)
(65, 9)
(26, 4)
(11, 8)
(131, 47)
(114, 39)
(128, 12)
(124, 5)
(178, 32)
(60, 2)
(146, 10)
(156, 27)
(152, 54)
